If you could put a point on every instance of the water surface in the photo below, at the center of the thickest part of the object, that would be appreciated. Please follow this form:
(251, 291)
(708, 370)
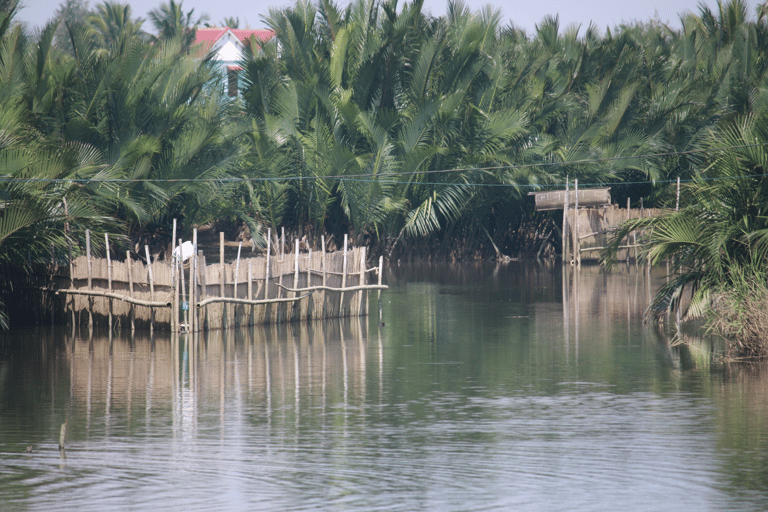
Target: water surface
(487, 388)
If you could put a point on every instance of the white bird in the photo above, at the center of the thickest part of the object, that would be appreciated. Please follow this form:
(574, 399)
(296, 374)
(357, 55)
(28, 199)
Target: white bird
(187, 250)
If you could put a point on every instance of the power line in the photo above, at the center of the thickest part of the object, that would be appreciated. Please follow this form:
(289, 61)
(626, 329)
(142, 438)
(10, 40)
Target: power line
(383, 178)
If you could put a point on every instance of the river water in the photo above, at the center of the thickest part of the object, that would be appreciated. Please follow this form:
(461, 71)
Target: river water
(514, 387)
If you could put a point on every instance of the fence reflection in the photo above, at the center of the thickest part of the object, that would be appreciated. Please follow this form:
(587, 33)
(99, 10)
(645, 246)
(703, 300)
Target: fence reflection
(266, 374)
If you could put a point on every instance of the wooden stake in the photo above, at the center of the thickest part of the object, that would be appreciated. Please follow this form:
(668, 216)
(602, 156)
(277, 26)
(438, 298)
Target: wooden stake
(130, 288)
(222, 279)
(237, 269)
(151, 289)
(343, 277)
(381, 271)
(250, 288)
(183, 290)
(174, 283)
(109, 276)
(565, 223)
(323, 259)
(90, 280)
(193, 282)
(266, 271)
(362, 307)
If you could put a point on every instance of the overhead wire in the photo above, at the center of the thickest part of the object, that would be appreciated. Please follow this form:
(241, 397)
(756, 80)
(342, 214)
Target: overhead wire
(384, 178)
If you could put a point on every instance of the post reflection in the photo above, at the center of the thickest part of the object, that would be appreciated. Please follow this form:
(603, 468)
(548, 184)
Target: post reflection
(283, 375)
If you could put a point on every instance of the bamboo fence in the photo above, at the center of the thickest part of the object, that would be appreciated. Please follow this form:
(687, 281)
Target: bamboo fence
(193, 295)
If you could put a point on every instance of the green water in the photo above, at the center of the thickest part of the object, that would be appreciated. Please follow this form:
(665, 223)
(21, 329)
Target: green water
(486, 388)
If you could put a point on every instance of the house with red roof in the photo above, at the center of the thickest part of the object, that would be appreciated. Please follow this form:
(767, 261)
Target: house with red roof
(226, 46)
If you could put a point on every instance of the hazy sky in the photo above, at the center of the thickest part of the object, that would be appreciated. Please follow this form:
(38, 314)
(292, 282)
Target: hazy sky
(524, 14)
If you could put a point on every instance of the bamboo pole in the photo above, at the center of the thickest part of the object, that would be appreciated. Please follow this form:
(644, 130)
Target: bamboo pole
(296, 271)
(192, 281)
(237, 268)
(201, 265)
(109, 276)
(250, 289)
(577, 243)
(332, 289)
(90, 278)
(323, 259)
(183, 288)
(222, 279)
(130, 289)
(151, 289)
(231, 300)
(282, 244)
(361, 282)
(565, 222)
(380, 276)
(130, 300)
(183, 291)
(343, 277)
(174, 282)
(266, 270)
(234, 282)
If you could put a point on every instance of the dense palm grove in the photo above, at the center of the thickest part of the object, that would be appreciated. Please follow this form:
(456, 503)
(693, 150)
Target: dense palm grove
(404, 130)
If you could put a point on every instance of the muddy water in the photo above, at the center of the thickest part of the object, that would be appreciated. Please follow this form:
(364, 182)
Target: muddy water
(516, 387)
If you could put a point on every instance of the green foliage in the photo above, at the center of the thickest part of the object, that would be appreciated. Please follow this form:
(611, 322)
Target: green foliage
(385, 122)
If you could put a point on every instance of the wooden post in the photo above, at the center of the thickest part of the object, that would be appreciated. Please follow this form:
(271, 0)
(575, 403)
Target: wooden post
(381, 271)
(282, 244)
(577, 222)
(200, 279)
(322, 262)
(362, 310)
(90, 280)
(222, 279)
(565, 224)
(151, 289)
(237, 269)
(174, 283)
(221, 264)
(130, 289)
(343, 277)
(109, 276)
(266, 271)
(193, 282)
(250, 289)
(183, 288)
(296, 267)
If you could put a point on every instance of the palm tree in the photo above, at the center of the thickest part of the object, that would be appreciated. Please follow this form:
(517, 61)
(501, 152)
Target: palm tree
(720, 234)
(171, 22)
